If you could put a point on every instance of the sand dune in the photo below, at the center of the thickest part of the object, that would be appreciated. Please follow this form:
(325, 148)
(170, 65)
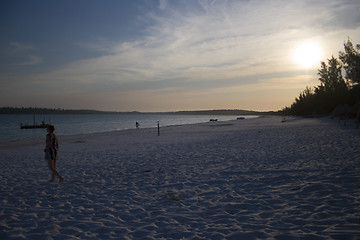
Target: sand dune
(246, 179)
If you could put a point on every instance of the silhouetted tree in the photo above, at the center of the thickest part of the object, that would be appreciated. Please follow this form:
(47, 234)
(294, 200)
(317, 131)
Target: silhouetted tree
(351, 60)
(331, 77)
(303, 104)
(333, 89)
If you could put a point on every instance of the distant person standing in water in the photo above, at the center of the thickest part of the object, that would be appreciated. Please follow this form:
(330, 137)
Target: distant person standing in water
(51, 153)
(137, 125)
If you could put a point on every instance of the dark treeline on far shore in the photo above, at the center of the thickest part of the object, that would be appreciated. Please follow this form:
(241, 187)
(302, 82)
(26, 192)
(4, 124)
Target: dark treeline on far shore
(36, 110)
(30, 110)
(222, 112)
(335, 94)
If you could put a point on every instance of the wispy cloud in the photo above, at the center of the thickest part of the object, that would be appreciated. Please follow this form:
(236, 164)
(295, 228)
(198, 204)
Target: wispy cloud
(215, 42)
(20, 48)
(197, 50)
(24, 54)
(162, 4)
(32, 60)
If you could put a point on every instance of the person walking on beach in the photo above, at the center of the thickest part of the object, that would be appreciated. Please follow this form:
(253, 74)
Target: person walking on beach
(51, 153)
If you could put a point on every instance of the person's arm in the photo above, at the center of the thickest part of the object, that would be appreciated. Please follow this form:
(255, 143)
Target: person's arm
(56, 142)
(47, 143)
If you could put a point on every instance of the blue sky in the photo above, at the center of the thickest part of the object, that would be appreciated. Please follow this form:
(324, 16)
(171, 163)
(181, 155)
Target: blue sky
(151, 55)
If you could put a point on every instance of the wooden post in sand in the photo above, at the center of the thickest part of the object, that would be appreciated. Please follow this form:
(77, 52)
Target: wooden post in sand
(158, 128)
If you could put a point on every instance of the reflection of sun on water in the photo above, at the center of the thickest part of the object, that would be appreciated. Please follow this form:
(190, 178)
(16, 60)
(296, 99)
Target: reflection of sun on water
(307, 55)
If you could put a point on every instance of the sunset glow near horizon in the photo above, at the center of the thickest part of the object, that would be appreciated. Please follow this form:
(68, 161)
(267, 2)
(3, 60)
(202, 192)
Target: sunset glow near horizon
(159, 55)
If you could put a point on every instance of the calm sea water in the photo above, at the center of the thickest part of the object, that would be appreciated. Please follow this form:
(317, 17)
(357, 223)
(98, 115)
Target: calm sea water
(92, 123)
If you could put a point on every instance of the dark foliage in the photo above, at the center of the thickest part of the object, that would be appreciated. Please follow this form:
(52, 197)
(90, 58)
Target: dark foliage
(333, 90)
(351, 60)
(38, 111)
(30, 110)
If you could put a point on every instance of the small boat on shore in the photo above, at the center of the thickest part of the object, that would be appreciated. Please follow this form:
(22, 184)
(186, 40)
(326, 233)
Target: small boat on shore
(42, 125)
(34, 125)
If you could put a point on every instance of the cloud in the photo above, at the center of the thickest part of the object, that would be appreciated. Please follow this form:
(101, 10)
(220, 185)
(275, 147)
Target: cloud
(23, 54)
(343, 15)
(162, 4)
(200, 49)
(220, 39)
(20, 48)
(32, 60)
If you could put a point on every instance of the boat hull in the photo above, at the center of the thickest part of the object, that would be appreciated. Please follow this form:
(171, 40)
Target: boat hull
(33, 126)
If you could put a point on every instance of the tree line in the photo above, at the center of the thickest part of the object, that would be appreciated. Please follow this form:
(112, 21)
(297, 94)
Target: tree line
(35, 110)
(47, 111)
(334, 89)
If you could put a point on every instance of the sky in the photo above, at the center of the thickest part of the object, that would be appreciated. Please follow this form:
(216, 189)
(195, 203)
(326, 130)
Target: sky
(168, 55)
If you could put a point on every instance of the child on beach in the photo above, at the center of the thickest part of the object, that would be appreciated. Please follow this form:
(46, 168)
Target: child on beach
(51, 153)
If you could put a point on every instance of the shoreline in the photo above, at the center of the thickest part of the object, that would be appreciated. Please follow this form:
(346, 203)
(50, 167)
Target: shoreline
(239, 179)
(35, 141)
(67, 125)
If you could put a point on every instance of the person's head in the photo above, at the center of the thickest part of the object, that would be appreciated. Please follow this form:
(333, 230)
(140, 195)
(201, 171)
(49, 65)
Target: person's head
(51, 128)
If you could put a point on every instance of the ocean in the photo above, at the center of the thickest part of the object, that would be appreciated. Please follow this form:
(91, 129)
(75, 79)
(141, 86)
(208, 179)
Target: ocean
(72, 124)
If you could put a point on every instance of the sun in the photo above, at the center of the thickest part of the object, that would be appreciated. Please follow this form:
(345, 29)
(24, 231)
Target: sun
(307, 54)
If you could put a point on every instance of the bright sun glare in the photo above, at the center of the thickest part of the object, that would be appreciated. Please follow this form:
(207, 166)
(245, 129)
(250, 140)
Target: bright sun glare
(307, 54)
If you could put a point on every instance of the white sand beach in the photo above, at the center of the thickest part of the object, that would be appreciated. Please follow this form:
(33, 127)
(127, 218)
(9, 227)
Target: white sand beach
(245, 179)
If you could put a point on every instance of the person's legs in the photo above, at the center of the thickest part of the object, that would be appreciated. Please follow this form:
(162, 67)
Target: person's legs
(50, 166)
(55, 172)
